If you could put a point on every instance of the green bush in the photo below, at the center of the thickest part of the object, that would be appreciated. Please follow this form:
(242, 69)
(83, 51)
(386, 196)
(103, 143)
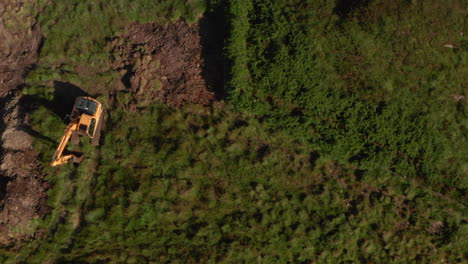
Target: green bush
(352, 86)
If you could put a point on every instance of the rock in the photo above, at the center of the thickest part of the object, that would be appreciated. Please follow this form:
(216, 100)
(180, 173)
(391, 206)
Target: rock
(16, 140)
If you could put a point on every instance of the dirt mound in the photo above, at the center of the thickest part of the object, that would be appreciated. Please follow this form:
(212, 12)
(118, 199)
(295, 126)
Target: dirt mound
(22, 185)
(162, 61)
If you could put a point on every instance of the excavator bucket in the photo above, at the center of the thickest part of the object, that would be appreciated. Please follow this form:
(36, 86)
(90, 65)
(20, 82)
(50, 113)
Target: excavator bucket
(77, 157)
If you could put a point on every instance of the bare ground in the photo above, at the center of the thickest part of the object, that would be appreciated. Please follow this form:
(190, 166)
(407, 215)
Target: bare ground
(162, 61)
(22, 185)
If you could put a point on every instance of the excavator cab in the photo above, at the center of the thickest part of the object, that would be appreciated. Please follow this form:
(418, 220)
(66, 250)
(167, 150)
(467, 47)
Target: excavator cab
(86, 119)
(86, 106)
(85, 110)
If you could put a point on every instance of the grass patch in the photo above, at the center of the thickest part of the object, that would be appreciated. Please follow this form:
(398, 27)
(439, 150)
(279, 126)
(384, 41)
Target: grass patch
(339, 142)
(373, 87)
(204, 183)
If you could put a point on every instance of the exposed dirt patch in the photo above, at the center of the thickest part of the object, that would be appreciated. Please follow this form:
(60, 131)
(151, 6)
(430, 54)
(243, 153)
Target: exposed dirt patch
(22, 185)
(162, 61)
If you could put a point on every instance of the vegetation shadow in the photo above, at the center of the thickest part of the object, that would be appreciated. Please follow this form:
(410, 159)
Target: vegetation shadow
(3, 179)
(3, 184)
(213, 32)
(344, 8)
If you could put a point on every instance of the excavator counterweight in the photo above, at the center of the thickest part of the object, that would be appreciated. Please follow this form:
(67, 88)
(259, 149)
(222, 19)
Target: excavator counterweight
(86, 119)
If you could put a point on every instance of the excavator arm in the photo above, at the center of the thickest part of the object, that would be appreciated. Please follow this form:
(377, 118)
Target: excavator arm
(58, 158)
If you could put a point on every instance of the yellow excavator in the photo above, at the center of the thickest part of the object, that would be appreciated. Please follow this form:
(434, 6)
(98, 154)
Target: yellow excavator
(86, 119)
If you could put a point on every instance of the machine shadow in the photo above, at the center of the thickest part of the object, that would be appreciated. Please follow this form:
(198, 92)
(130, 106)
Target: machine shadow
(28, 129)
(65, 95)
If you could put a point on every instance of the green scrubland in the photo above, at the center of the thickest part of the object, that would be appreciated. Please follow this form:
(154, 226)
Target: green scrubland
(341, 139)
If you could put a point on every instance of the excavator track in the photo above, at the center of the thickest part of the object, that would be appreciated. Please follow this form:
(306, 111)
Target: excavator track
(75, 138)
(97, 134)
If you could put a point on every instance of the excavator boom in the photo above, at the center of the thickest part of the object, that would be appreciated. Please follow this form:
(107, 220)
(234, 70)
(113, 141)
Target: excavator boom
(58, 159)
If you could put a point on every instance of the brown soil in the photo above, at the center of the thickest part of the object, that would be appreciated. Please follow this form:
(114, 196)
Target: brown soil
(162, 61)
(22, 185)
